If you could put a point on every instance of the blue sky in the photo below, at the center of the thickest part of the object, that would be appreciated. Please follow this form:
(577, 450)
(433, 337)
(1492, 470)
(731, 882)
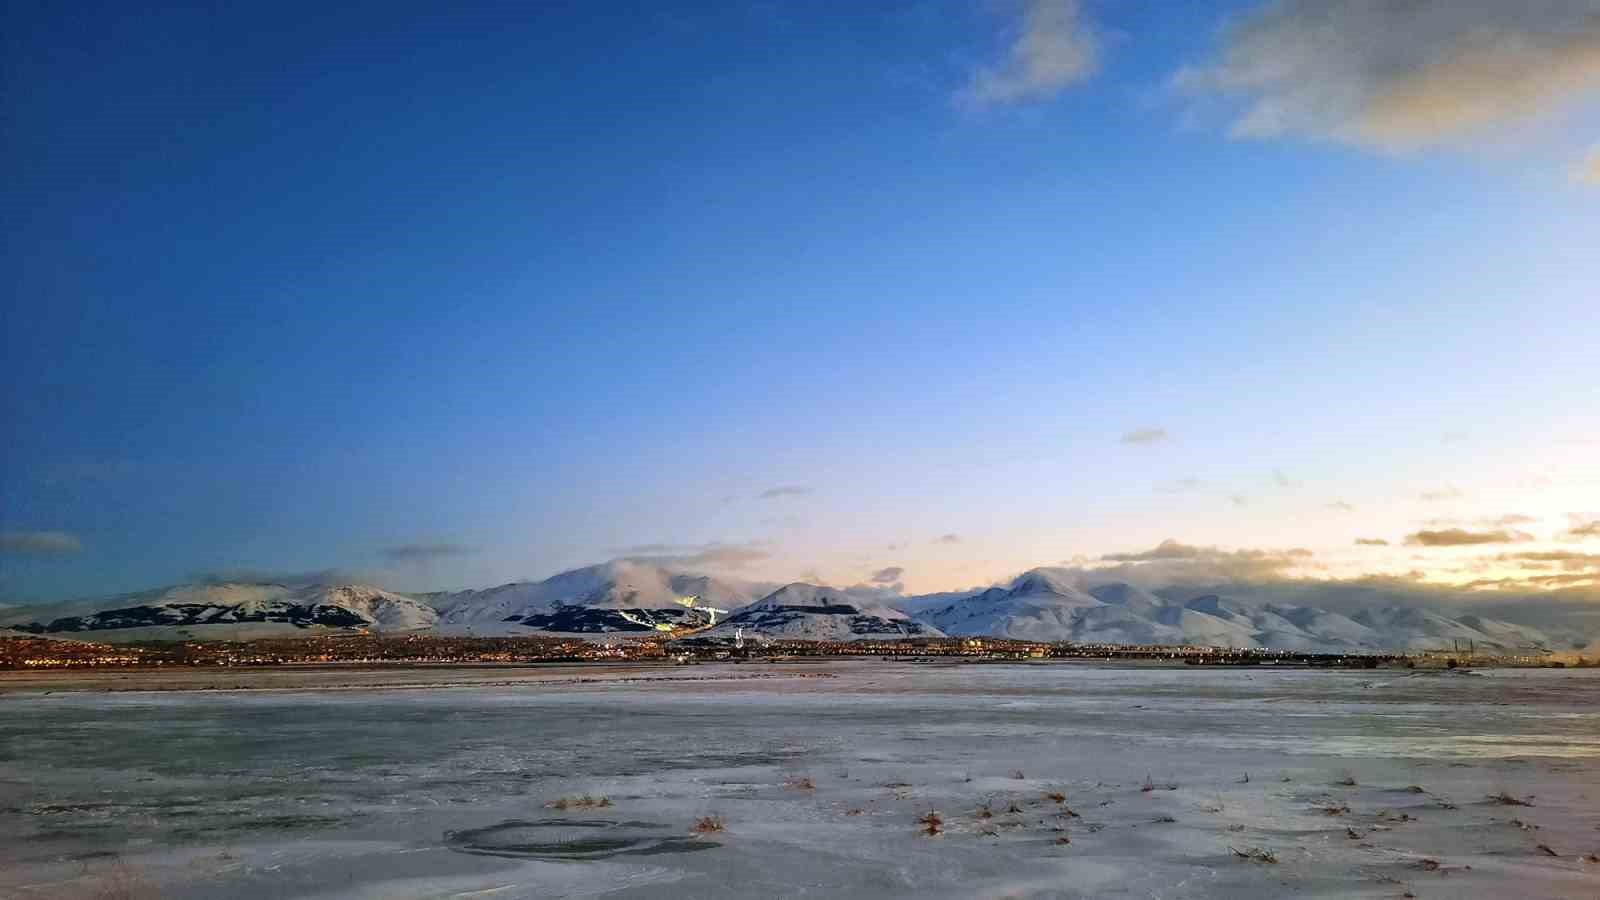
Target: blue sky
(458, 296)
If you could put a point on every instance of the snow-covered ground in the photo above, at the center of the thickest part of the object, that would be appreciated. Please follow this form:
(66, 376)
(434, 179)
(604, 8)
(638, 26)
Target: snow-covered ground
(1357, 784)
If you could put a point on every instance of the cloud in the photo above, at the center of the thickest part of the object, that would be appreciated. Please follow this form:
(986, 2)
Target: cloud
(784, 490)
(1395, 75)
(711, 555)
(947, 539)
(1460, 537)
(1180, 486)
(1054, 49)
(1282, 480)
(887, 575)
(1508, 520)
(1571, 561)
(1146, 435)
(1583, 531)
(288, 578)
(67, 472)
(1448, 492)
(39, 543)
(1239, 499)
(1175, 560)
(1341, 506)
(425, 553)
(1371, 542)
(1588, 171)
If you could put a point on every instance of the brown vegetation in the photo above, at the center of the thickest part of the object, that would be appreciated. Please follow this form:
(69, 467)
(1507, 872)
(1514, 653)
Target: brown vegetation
(584, 802)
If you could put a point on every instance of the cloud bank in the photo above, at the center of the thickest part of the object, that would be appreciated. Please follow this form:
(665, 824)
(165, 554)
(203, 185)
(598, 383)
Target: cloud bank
(784, 490)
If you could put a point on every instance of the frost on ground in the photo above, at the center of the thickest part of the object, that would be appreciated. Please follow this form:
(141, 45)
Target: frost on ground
(884, 780)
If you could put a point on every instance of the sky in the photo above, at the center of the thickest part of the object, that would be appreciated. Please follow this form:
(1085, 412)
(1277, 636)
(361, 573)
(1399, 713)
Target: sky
(915, 294)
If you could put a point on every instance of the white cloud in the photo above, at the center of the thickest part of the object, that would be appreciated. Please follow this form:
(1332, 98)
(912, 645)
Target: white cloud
(1396, 75)
(1054, 50)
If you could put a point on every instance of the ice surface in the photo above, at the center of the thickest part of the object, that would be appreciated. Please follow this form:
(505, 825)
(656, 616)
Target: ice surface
(818, 783)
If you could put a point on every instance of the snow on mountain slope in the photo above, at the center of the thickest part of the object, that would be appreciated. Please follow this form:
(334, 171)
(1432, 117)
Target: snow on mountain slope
(1047, 605)
(811, 613)
(192, 608)
(618, 596)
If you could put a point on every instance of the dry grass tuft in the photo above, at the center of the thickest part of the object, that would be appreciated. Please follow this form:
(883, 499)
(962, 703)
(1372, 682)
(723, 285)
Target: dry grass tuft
(931, 824)
(1256, 854)
(1335, 809)
(1056, 797)
(1063, 840)
(708, 825)
(984, 812)
(1545, 849)
(1429, 865)
(1150, 785)
(1504, 798)
(801, 783)
(1163, 820)
(584, 802)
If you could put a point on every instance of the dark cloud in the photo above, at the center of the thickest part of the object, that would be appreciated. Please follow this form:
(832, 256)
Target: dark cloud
(1371, 542)
(784, 490)
(39, 543)
(1146, 435)
(888, 575)
(1460, 537)
(425, 553)
(947, 539)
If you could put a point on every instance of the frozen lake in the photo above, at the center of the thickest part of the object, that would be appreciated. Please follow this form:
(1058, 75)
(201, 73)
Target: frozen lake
(1358, 783)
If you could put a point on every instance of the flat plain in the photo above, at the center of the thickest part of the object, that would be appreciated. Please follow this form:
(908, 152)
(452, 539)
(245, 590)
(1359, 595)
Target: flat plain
(854, 779)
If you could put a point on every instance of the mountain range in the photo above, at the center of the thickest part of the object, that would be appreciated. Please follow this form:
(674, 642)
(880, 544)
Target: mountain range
(632, 597)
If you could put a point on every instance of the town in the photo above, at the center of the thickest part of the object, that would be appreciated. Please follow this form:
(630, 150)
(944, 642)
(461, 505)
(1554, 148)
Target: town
(34, 653)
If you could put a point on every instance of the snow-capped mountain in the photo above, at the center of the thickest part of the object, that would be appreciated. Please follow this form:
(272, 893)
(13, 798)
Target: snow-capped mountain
(636, 597)
(618, 596)
(225, 611)
(1048, 605)
(806, 612)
